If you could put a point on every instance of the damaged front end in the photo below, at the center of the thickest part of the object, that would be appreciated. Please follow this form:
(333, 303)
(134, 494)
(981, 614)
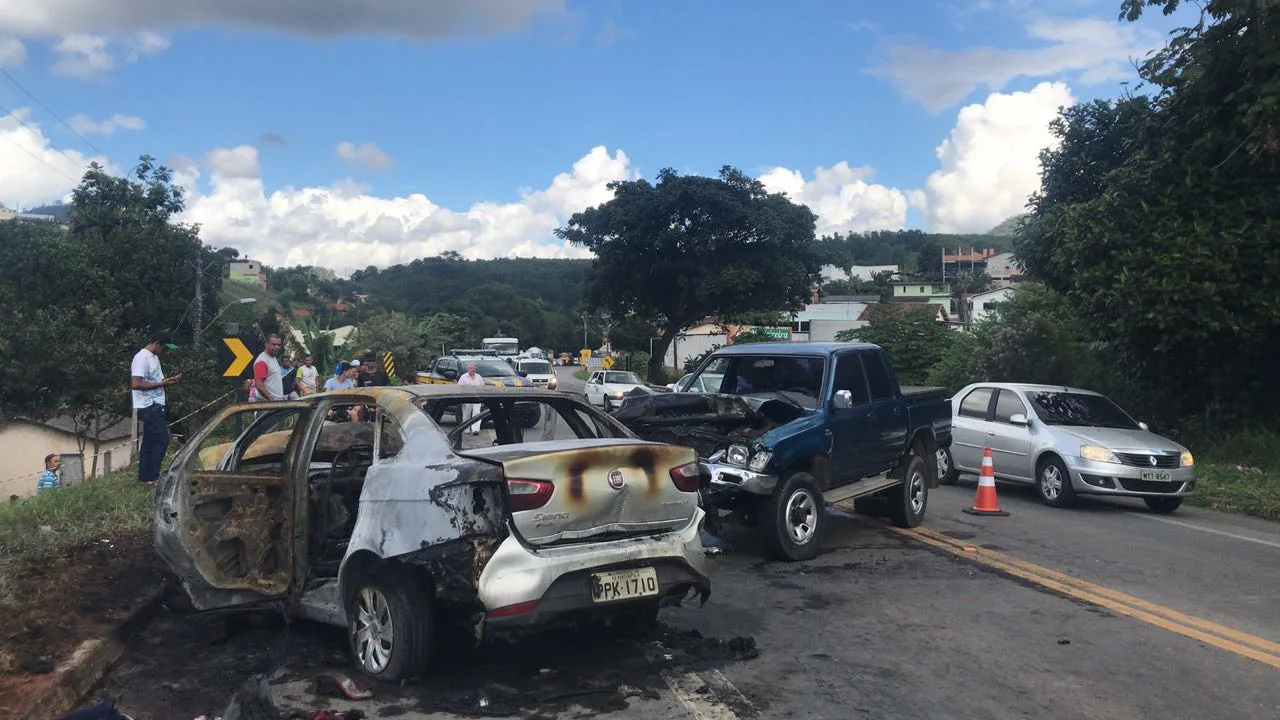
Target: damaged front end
(730, 433)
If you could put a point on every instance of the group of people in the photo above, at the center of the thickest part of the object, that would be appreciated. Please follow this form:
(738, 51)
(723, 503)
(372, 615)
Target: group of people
(274, 378)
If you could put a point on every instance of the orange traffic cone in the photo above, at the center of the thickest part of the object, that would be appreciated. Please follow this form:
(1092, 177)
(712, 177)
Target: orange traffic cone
(986, 503)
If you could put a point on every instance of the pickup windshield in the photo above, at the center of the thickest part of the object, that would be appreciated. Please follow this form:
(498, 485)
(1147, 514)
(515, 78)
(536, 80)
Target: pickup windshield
(1080, 410)
(756, 374)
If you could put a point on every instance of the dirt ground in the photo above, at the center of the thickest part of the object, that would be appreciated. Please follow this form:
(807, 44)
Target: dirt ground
(80, 597)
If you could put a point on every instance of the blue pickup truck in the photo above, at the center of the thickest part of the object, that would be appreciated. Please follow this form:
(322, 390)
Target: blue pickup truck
(784, 429)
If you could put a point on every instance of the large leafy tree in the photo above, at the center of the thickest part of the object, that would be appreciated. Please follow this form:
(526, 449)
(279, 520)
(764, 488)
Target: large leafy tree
(1158, 215)
(692, 247)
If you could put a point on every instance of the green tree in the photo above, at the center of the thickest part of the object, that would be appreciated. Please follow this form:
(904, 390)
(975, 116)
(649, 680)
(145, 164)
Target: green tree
(690, 247)
(1158, 216)
(402, 336)
(911, 336)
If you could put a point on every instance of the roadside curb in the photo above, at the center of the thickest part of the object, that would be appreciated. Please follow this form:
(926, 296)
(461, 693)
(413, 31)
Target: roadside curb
(76, 676)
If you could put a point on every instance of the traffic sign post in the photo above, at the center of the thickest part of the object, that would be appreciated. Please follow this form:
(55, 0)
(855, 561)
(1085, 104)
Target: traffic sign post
(236, 354)
(607, 362)
(389, 365)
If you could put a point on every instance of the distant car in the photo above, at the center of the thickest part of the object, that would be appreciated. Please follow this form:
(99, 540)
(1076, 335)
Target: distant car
(396, 526)
(607, 388)
(536, 370)
(705, 383)
(1067, 442)
(446, 370)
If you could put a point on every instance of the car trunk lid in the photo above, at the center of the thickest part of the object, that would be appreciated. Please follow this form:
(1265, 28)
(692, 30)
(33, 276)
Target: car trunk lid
(567, 491)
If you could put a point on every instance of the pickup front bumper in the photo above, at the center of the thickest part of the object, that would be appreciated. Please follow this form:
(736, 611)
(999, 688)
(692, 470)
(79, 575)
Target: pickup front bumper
(734, 477)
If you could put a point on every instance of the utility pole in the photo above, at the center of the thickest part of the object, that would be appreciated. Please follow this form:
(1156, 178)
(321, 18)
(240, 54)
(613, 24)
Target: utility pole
(197, 314)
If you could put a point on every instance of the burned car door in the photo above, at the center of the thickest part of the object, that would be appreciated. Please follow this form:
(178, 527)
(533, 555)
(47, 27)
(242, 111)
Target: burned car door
(226, 509)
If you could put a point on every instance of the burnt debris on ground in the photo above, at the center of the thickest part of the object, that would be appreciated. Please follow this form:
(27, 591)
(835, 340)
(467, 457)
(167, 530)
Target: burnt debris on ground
(178, 668)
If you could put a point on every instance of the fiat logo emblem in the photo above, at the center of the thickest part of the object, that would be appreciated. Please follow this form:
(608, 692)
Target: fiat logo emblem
(616, 480)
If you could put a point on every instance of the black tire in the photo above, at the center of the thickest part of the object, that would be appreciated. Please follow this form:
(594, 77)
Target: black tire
(792, 519)
(406, 603)
(1163, 505)
(1053, 483)
(947, 473)
(909, 501)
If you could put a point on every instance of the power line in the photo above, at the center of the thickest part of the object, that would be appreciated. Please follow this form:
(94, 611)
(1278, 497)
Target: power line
(14, 114)
(51, 112)
(46, 163)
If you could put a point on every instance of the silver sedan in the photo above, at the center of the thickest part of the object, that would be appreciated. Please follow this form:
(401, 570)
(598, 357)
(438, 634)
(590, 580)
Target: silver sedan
(1067, 442)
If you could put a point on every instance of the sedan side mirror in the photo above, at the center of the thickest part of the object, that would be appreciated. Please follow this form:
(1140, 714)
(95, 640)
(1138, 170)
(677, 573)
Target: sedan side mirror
(843, 400)
(1019, 419)
(1144, 426)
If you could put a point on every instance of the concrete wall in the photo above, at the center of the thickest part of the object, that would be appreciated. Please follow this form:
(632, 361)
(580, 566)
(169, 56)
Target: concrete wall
(685, 347)
(23, 446)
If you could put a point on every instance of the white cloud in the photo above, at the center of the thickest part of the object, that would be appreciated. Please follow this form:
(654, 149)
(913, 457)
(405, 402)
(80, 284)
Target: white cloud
(86, 125)
(32, 171)
(344, 227)
(1096, 51)
(367, 156)
(12, 52)
(410, 18)
(84, 55)
(990, 163)
(842, 198)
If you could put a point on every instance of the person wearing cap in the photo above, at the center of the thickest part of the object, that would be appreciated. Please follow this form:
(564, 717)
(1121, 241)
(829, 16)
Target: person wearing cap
(371, 372)
(147, 381)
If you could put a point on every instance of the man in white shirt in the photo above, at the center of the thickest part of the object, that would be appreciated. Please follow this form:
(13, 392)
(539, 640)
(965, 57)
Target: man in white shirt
(308, 376)
(147, 381)
(470, 410)
(268, 382)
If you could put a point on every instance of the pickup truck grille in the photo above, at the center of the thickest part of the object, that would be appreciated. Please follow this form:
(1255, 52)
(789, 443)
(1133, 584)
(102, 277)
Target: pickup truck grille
(704, 446)
(1144, 460)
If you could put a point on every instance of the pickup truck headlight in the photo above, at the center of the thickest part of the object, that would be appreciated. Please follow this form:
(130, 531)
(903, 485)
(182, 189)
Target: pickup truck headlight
(551, 384)
(1098, 454)
(760, 460)
(737, 455)
(1187, 459)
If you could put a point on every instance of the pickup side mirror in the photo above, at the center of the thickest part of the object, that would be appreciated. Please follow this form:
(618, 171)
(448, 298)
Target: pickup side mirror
(1019, 419)
(450, 374)
(522, 373)
(842, 400)
(1144, 426)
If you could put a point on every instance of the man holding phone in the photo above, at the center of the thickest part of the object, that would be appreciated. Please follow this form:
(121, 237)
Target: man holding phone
(148, 382)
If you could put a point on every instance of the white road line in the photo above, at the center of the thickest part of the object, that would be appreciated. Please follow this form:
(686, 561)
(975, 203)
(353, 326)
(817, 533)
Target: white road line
(697, 696)
(1224, 533)
(725, 689)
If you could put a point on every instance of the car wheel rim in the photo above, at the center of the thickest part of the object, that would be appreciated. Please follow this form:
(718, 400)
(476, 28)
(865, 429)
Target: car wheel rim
(916, 493)
(943, 465)
(373, 635)
(802, 517)
(1051, 482)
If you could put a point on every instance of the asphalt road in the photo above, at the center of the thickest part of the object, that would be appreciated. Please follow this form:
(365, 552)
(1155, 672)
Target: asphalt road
(566, 382)
(1104, 611)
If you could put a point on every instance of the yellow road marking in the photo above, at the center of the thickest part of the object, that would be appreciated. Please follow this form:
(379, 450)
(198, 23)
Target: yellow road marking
(1219, 636)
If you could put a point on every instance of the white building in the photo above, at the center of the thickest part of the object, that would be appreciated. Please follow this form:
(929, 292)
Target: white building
(1002, 266)
(981, 304)
(831, 273)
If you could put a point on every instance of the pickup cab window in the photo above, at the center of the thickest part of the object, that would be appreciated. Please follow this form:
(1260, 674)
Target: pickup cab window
(850, 376)
(878, 374)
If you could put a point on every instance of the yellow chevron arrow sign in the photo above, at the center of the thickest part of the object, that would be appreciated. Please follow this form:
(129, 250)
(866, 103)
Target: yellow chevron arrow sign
(241, 355)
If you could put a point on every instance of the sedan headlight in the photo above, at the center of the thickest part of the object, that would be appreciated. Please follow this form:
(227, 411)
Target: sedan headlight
(617, 394)
(737, 455)
(1187, 459)
(760, 460)
(1098, 454)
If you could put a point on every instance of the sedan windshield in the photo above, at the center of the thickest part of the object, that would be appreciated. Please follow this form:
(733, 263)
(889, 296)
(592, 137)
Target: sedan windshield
(623, 378)
(1080, 410)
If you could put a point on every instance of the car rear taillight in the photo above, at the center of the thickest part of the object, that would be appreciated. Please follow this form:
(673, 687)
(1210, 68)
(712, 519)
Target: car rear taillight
(687, 477)
(528, 494)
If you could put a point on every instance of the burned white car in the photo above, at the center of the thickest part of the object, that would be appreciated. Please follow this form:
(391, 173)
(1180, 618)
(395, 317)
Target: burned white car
(392, 523)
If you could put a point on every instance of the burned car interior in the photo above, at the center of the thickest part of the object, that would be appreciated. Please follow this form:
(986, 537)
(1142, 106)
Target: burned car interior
(239, 492)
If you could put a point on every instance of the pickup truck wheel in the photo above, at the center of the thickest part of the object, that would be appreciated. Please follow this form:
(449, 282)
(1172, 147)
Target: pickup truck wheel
(947, 474)
(908, 501)
(390, 626)
(792, 518)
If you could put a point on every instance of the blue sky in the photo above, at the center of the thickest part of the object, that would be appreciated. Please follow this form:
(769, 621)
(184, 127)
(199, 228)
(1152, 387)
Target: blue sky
(476, 118)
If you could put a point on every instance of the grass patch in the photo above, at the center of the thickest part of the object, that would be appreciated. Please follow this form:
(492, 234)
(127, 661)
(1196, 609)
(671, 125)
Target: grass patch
(1238, 473)
(582, 374)
(105, 507)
